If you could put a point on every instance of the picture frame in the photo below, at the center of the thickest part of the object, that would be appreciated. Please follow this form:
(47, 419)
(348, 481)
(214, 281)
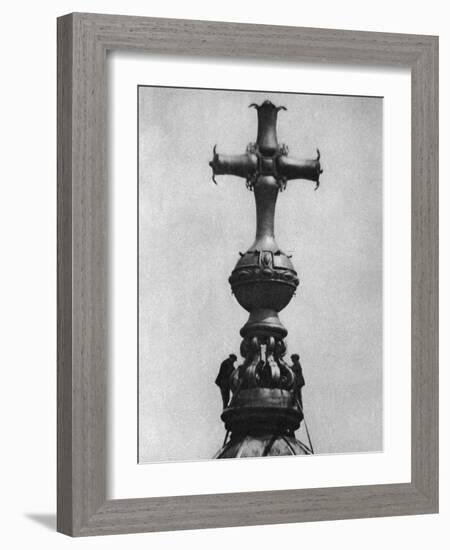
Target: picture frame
(83, 41)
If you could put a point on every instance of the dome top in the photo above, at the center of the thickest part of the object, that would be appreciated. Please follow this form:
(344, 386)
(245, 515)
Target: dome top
(262, 445)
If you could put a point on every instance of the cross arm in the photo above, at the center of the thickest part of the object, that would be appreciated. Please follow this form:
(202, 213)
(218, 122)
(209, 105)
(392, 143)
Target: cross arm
(243, 166)
(290, 168)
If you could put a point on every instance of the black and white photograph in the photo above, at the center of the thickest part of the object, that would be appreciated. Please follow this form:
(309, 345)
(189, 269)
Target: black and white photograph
(260, 274)
(224, 238)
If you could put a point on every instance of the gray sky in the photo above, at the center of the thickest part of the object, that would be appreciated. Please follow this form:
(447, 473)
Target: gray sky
(190, 233)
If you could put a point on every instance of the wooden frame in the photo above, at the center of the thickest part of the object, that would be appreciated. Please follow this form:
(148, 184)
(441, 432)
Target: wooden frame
(83, 40)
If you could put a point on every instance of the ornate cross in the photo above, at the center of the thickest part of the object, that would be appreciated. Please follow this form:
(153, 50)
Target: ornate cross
(266, 157)
(265, 388)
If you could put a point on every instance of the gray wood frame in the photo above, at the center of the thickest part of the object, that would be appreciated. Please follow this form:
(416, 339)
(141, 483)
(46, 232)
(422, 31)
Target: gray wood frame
(83, 40)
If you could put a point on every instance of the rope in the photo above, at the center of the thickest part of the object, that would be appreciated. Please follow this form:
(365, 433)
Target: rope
(306, 426)
(289, 445)
(226, 437)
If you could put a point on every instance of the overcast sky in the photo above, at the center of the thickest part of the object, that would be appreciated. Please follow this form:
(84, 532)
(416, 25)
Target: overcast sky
(190, 233)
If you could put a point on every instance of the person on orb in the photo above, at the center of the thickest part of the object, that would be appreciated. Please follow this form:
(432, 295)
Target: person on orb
(299, 380)
(223, 378)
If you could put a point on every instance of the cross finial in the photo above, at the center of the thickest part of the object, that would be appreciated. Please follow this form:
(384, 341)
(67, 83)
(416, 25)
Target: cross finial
(264, 386)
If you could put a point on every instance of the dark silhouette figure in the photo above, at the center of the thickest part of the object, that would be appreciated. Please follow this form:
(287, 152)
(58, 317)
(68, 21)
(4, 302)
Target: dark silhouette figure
(223, 378)
(299, 380)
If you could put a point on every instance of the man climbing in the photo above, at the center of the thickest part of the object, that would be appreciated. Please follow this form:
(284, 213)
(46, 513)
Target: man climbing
(223, 378)
(299, 380)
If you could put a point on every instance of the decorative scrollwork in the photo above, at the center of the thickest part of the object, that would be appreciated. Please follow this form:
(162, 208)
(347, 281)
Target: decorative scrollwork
(263, 365)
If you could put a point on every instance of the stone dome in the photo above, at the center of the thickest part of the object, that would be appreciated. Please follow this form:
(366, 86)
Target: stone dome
(262, 445)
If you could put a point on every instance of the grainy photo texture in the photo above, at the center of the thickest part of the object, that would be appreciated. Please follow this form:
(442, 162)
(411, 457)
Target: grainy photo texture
(260, 274)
